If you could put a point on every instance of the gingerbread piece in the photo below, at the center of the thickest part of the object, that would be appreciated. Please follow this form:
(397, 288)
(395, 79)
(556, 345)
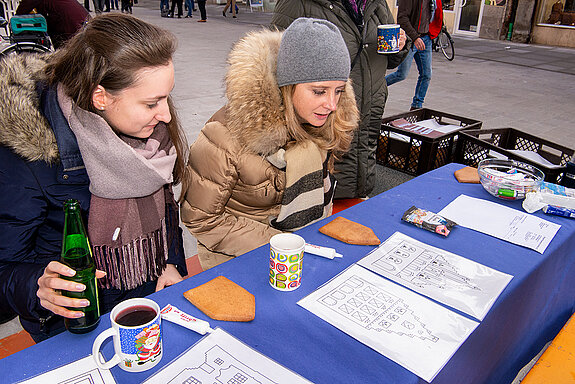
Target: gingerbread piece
(350, 232)
(467, 175)
(222, 299)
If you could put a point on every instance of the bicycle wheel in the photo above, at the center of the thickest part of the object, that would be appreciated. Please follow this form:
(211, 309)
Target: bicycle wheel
(445, 43)
(24, 48)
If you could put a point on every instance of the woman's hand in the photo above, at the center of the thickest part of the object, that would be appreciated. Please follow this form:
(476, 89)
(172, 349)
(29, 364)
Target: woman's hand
(51, 283)
(402, 39)
(169, 277)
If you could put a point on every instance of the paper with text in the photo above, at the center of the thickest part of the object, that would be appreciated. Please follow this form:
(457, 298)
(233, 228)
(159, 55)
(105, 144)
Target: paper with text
(502, 222)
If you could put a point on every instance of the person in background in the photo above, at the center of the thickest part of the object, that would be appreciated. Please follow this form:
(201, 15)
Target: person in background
(178, 3)
(92, 122)
(422, 21)
(262, 164)
(126, 6)
(236, 8)
(164, 7)
(232, 4)
(98, 6)
(191, 7)
(357, 20)
(63, 17)
(203, 14)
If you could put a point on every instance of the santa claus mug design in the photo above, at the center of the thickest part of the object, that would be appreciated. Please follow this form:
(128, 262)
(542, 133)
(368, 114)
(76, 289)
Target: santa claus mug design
(137, 332)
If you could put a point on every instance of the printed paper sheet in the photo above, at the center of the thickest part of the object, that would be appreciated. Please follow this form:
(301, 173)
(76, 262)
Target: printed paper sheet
(443, 276)
(78, 372)
(502, 222)
(221, 358)
(404, 326)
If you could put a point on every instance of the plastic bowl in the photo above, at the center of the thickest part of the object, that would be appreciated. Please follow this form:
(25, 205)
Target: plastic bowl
(509, 179)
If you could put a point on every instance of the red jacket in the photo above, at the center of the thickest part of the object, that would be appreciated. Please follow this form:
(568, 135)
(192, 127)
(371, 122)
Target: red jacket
(409, 18)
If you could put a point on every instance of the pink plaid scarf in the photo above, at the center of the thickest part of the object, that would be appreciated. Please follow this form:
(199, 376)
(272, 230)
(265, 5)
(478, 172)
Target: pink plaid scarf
(126, 222)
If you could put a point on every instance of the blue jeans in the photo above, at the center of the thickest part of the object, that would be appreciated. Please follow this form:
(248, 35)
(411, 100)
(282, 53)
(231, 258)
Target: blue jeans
(191, 6)
(423, 61)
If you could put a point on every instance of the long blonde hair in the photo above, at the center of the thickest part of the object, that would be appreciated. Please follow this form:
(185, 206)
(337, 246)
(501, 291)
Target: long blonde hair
(336, 134)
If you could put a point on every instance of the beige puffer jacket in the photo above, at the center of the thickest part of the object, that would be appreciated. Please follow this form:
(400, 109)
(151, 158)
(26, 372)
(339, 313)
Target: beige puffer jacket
(234, 191)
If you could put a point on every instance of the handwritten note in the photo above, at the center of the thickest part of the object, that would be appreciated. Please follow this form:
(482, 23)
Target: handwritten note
(502, 222)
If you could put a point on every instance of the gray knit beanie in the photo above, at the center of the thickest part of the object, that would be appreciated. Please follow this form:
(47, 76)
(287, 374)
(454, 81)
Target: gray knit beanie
(312, 50)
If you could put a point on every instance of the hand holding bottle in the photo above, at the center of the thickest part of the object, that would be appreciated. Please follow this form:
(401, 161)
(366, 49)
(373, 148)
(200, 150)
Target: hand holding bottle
(50, 284)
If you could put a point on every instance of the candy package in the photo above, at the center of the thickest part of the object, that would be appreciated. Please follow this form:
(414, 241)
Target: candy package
(428, 220)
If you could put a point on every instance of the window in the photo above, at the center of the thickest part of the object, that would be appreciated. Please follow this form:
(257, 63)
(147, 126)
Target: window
(448, 5)
(557, 12)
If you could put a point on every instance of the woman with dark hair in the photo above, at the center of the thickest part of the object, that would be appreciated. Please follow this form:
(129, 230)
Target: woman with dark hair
(262, 164)
(92, 122)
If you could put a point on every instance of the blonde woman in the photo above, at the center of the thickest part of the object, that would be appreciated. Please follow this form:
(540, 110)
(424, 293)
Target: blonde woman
(262, 164)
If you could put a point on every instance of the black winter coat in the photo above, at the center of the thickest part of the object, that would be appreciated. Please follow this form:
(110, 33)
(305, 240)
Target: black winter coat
(40, 168)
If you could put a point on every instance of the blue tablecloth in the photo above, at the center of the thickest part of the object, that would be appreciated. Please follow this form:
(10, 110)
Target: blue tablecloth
(529, 312)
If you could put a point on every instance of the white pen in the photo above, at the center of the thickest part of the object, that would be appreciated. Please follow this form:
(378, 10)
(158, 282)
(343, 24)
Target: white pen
(326, 252)
(173, 314)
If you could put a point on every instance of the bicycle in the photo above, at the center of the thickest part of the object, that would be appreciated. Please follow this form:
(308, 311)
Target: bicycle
(28, 34)
(444, 42)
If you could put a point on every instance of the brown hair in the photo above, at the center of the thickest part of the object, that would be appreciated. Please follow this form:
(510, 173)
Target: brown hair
(108, 51)
(337, 132)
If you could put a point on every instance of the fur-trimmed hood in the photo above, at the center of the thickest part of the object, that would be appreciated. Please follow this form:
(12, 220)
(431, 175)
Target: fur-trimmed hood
(23, 128)
(255, 110)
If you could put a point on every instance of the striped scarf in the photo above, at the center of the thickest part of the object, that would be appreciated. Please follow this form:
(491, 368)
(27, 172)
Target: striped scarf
(309, 190)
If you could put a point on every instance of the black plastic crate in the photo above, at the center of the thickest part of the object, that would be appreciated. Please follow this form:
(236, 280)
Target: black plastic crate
(422, 152)
(476, 145)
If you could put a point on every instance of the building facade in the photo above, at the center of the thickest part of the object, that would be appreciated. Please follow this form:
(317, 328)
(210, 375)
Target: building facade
(548, 22)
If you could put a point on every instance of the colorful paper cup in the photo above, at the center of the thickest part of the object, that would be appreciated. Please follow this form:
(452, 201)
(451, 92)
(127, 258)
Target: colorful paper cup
(388, 38)
(286, 261)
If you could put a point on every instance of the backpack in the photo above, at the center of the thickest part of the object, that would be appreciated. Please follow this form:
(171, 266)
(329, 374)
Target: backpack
(30, 28)
(28, 23)
(437, 23)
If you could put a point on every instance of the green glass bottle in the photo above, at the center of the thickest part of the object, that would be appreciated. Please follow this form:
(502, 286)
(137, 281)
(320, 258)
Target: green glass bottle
(77, 254)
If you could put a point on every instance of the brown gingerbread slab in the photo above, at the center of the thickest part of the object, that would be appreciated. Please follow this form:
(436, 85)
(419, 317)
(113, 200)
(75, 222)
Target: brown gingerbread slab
(222, 299)
(350, 232)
